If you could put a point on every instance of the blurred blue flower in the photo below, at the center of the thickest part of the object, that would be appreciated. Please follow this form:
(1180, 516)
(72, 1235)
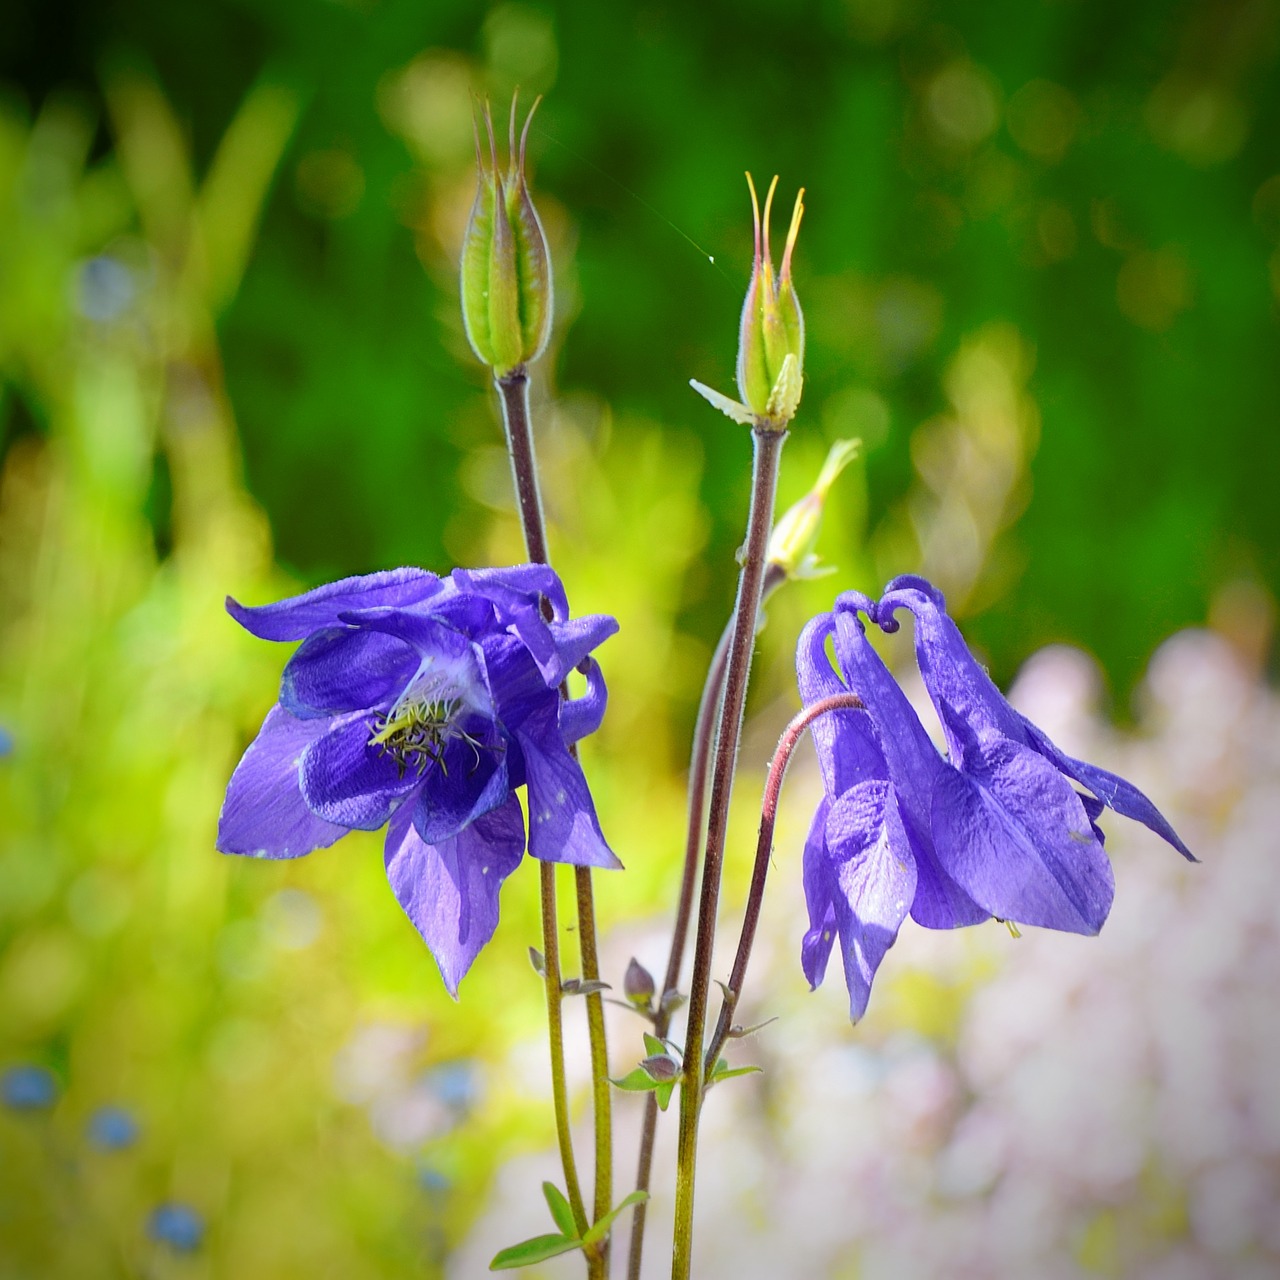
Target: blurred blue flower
(432, 1181)
(454, 1083)
(28, 1088)
(106, 288)
(425, 702)
(995, 827)
(6, 743)
(177, 1225)
(112, 1128)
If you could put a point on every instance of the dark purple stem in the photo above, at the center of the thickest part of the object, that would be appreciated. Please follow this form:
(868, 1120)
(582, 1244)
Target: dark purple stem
(764, 847)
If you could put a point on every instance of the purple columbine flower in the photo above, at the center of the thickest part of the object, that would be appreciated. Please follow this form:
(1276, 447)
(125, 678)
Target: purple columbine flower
(996, 827)
(425, 702)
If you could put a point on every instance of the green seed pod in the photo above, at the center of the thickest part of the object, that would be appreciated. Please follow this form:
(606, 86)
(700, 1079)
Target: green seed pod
(771, 332)
(772, 327)
(506, 267)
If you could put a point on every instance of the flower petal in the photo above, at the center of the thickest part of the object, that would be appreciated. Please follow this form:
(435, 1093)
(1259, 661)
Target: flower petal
(449, 662)
(845, 742)
(815, 949)
(582, 716)
(342, 669)
(1017, 837)
(1111, 789)
(450, 890)
(562, 817)
(264, 814)
(470, 779)
(972, 710)
(914, 765)
(298, 616)
(875, 881)
(575, 639)
(350, 781)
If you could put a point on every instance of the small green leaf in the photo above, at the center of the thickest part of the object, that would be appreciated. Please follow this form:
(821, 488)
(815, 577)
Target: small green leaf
(723, 1071)
(527, 1252)
(601, 1229)
(561, 1213)
(637, 1080)
(662, 1092)
(653, 1044)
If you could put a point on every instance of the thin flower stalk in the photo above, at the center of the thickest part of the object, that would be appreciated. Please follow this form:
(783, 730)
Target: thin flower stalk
(768, 437)
(787, 744)
(513, 392)
(700, 759)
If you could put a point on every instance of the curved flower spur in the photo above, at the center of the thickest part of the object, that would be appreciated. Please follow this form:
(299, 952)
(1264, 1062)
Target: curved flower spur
(993, 828)
(424, 702)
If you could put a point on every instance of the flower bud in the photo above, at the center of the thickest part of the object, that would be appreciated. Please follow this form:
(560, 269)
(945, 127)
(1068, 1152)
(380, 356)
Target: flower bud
(638, 985)
(792, 542)
(506, 267)
(772, 327)
(771, 332)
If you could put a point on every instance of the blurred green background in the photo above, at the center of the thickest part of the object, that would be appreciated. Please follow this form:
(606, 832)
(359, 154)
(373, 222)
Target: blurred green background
(1040, 270)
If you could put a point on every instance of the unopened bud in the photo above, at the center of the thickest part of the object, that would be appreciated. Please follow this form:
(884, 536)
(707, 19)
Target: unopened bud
(771, 334)
(506, 267)
(794, 537)
(638, 985)
(771, 331)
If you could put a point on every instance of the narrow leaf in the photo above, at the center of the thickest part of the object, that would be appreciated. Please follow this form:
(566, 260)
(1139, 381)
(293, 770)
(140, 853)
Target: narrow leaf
(638, 1080)
(527, 1252)
(539, 963)
(663, 1093)
(561, 1213)
(601, 1229)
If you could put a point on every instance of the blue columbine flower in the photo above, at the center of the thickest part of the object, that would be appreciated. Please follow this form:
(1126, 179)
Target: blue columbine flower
(993, 828)
(425, 702)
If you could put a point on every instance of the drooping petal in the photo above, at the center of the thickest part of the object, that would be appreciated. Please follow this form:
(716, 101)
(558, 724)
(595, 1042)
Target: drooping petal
(914, 766)
(342, 669)
(1111, 789)
(516, 595)
(450, 890)
(562, 816)
(1017, 837)
(348, 779)
(975, 714)
(815, 949)
(875, 881)
(845, 742)
(470, 779)
(972, 710)
(264, 814)
(582, 716)
(575, 639)
(299, 616)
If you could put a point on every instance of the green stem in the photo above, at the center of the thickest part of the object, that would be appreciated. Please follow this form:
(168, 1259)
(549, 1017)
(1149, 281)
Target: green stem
(513, 390)
(555, 1034)
(703, 733)
(768, 438)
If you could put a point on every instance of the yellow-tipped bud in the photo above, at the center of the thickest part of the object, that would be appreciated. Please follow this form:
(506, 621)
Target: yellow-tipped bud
(772, 327)
(771, 332)
(794, 537)
(506, 267)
